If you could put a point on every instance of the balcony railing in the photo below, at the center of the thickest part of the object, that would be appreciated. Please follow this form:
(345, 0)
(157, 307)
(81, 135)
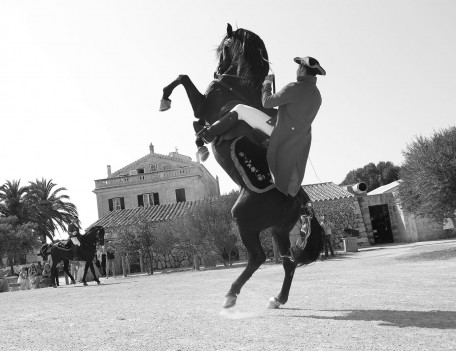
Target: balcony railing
(146, 177)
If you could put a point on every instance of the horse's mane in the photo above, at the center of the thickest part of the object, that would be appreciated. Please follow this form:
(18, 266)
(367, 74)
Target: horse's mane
(249, 56)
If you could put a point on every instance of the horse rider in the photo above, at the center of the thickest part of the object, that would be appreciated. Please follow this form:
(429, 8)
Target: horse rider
(290, 139)
(73, 233)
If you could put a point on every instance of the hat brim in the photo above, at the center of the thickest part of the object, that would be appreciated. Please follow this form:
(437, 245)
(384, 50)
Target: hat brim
(310, 62)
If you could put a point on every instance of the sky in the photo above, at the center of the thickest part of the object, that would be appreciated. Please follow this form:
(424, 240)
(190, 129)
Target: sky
(81, 81)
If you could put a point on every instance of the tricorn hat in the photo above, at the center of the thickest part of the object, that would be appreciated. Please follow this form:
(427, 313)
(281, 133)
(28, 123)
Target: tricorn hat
(310, 62)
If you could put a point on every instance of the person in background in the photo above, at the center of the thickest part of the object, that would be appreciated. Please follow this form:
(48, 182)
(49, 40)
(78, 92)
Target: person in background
(98, 260)
(327, 240)
(46, 276)
(110, 260)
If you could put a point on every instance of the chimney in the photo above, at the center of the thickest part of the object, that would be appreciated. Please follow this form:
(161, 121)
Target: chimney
(151, 148)
(109, 170)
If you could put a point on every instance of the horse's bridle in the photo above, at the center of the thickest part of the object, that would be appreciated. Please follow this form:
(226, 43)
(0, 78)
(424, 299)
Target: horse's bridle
(300, 247)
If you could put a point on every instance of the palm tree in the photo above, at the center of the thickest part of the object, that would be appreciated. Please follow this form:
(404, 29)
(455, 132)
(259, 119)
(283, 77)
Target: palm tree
(13, 200)
(50, 209)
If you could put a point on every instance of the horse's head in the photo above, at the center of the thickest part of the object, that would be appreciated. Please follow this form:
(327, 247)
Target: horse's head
(244, 54)
(44, 251)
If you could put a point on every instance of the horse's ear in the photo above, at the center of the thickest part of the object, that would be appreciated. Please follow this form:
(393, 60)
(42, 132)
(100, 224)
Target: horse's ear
(229, 30)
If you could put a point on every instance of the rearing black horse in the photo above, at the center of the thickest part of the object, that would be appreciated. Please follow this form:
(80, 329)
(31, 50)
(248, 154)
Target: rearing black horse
(242, 67)
(58, 251)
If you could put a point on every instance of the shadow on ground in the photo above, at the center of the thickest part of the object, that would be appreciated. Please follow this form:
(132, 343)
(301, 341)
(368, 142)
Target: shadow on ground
(440, 255)
(401, 319)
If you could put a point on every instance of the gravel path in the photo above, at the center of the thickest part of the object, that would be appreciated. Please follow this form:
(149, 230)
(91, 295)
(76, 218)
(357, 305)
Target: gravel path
(391, 298)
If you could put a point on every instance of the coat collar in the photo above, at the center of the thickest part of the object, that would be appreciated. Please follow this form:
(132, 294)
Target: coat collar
(310, 79)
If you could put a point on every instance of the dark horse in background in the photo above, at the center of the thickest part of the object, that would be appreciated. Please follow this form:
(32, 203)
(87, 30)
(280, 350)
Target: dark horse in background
(62, 250)
(242, 67)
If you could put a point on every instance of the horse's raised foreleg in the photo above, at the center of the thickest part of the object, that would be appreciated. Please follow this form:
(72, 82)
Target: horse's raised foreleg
(257, 257)
(54, 273)
(195, 97)
(282, 239)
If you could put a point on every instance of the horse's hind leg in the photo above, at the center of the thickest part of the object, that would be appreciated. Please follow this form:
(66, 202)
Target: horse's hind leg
(86, 268)
(282, 238)
(92, 269)
(257, 257)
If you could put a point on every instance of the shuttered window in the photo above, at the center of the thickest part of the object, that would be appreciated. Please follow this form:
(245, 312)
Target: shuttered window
(148, 199)
(116, 203)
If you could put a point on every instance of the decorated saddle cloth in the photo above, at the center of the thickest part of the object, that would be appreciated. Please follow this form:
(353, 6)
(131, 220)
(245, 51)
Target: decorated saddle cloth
(64, 244)
(250, 161)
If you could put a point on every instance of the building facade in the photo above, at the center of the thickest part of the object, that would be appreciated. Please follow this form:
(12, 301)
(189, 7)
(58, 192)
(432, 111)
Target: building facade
(154, 179)
(391, 224)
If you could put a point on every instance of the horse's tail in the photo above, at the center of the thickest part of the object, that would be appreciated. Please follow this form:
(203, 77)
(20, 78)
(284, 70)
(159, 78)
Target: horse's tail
(313, 247)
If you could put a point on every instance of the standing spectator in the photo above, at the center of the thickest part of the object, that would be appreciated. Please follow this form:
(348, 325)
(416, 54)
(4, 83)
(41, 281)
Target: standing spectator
(327, 240)
(99, 260)
(110, 260)
(39, 268)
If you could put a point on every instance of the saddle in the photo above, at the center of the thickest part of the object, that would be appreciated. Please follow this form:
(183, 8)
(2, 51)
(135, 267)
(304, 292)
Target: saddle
(65, 244)
(250, 161)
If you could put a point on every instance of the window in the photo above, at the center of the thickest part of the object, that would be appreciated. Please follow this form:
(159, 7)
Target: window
(148, 199)
(156, 199)
(153, 167)
(116, 203)
(140, 170)
(180, 195)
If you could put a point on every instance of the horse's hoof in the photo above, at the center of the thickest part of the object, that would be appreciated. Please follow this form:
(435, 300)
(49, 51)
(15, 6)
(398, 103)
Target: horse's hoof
(73, 282)
(273, 303)
(85, 284)
(98, 282)
(54, 286)
(165, 105)
(230, 301)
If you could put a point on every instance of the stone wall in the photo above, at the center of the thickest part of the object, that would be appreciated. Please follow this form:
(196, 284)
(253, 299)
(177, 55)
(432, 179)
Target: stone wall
(343, 213)
(174, 259)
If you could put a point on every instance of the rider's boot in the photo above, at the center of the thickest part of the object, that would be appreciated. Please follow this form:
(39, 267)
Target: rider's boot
(207, 134)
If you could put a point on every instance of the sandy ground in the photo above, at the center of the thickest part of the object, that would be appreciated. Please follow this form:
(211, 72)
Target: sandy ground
(398, 297)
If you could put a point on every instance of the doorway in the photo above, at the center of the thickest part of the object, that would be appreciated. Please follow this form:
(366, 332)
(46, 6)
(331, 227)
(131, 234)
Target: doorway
(381, 224)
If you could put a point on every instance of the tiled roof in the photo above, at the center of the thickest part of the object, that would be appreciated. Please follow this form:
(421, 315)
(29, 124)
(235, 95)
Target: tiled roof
(119, 218)
(326, 191)
(157, 213)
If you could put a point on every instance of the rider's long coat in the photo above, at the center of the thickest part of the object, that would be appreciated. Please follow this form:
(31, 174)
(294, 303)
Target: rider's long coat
(290, 140)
